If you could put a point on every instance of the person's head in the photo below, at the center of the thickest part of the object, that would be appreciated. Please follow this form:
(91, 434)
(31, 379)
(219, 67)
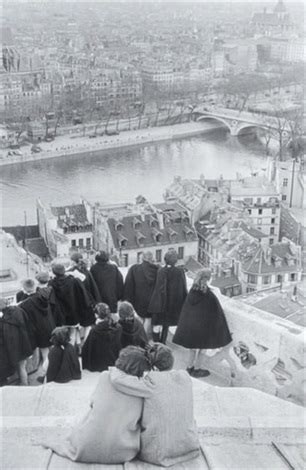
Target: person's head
(171, 258)
(28, 285)
(148, 256)
(102, 311)
(126, 311)
(201, 279)
(133, 360)
(60, 336)
(161, 357)
(75, 258)
(42, 278)
(102, 257)
(58, 269)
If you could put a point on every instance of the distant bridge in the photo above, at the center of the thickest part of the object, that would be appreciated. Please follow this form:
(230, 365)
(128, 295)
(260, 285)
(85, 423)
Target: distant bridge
(238, 121)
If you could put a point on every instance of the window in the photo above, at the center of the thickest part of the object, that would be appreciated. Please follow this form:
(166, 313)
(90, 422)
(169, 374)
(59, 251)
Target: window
(252, 279)
(259, 221)
(139, 257)
(279, 278)
(284, 197)
(273, 210)
(258, 200)
(272, 231)
(266, 280)
(271, 241)
(158, 255)
(259, 211)
(250, 211)
(292, 277)
(181, 252)
(285, 182)
(273, 220)
(81, 242)
(248, 200)
(125, 260)
(73, 242)
(88, 242)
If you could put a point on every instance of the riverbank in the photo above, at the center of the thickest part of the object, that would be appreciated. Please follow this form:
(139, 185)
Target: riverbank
(75, 145)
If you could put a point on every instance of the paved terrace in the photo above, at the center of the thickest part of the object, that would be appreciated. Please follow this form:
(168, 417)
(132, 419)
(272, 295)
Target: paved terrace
(239, 428)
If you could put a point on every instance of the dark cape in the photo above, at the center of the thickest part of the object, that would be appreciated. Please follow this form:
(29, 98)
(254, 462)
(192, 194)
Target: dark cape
(63, 364)
(89, 284)
(109, 281)
(40, 322)
(102, 346)
(21, 295)
(202, 324)
(168, 296)
(133, 333)
(70, 301)
(15, 344)
(139, 285)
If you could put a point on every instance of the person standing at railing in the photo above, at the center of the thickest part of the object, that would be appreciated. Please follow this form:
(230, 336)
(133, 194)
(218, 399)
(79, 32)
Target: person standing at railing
(202, 323)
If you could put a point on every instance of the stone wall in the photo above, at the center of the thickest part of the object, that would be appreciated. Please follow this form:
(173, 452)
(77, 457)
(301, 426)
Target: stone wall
(267, 352)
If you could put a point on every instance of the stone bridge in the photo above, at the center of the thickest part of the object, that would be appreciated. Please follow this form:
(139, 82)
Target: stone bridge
(238, 121)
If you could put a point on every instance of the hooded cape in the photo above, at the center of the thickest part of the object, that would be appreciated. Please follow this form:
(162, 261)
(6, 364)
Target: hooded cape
(102, 346)
(139, 285)
(109, 281)
(40, 321)
(15, 344)
(168, 296)
(133, 333)
(71, 303)
(202, 324)
(63, 364)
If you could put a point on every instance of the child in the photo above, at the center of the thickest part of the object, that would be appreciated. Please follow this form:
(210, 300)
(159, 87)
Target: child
(63, 360)
(133, 332)
(103, 344)
(28, 289)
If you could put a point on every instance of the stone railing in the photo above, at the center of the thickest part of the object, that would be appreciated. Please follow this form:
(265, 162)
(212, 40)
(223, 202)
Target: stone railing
(267, 353)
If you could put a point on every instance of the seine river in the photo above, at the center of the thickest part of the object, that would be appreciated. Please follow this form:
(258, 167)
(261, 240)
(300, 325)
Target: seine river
(121, 175)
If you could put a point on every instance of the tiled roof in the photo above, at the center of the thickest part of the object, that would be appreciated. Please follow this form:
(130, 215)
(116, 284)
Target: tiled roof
(254, 232)
(225, 281)
(74, 215)
(280, 254)
(174, 231)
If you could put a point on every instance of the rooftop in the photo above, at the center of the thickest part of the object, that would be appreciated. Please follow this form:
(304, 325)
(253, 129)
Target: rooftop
(71, 216)
(282, 303)
(253, 186)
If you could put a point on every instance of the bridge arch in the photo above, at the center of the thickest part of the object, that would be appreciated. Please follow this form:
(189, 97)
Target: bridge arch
(215, 118)
(243, 127)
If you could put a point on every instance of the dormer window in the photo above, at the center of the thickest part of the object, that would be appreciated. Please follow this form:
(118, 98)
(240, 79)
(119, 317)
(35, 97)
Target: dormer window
(157, 235)
(153, 221)
(140, 238)
(136, 223)
(118, 226)
(122, 240)
(172, 233)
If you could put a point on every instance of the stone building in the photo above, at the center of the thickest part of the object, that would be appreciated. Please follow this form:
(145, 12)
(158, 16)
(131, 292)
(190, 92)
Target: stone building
(127, 230)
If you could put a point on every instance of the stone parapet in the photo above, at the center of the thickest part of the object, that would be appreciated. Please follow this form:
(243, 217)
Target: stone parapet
(267, 352)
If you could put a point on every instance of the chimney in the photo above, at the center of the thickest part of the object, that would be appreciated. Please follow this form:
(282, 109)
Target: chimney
(202, 180)
(267, 255)
(67, 212)
(160, 218)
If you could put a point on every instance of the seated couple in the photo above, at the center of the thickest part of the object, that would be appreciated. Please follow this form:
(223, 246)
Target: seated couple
(140, 408)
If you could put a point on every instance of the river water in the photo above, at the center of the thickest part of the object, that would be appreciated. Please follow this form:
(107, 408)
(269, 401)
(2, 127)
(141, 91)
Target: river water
(121, 175)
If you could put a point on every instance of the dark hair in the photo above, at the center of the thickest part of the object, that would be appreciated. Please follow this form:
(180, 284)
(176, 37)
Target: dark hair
(133, 360)
(171, 257)
(161, 356)
(102, 257)
(58, 269)
(76, 256)
(126, 310)
(28, 284)
(60, 336)
(102, 311)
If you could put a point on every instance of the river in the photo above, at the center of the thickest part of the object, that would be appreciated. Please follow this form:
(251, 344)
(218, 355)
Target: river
(121, 175)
